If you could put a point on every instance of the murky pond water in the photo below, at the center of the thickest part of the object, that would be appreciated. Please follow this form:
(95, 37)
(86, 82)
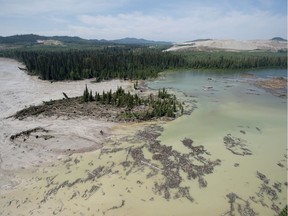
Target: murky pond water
(229, 105)
(227, 158)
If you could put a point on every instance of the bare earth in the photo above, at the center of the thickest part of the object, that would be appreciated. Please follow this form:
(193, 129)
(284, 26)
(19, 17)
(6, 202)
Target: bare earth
(230, 45)
(277, 86)
(19, 90)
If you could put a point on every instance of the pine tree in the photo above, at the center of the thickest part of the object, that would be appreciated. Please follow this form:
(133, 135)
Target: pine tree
(90, 96)
(86, 94)
(174, 106)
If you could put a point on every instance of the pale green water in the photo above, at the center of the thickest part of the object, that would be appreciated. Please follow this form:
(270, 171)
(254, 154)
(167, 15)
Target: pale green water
(230, 106)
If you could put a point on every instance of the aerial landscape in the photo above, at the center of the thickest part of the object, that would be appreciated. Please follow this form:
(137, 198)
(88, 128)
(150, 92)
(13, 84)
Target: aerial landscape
(143, 108)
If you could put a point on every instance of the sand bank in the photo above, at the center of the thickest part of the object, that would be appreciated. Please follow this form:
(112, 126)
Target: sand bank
(64, 136)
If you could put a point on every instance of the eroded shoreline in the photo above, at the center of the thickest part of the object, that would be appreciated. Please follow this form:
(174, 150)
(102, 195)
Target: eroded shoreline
(19, 90)
(34, 141)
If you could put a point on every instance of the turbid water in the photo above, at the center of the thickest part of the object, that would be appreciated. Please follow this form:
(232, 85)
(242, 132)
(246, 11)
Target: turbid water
(229, 104)
(236, 165)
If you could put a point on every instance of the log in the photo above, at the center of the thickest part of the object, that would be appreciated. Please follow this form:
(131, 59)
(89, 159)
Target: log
(65, 95)
(151, 165)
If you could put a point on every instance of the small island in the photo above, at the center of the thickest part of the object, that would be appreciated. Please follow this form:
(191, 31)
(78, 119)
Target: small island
(119, 106)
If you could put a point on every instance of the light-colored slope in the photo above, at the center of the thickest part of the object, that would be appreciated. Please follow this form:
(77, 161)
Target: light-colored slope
(231, 45)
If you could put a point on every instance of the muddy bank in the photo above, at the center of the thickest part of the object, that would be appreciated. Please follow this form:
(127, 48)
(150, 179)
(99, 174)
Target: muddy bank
(29, 146)
(276, 86)
(72, 108)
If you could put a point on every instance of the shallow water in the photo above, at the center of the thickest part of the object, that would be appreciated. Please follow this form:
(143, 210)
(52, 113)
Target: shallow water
(232, 106)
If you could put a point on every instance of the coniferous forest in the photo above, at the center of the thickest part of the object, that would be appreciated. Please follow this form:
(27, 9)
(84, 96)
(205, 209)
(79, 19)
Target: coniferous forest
(102, 64)
(133, 62)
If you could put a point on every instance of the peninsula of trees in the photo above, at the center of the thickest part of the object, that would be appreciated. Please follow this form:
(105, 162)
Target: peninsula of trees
(116, 106)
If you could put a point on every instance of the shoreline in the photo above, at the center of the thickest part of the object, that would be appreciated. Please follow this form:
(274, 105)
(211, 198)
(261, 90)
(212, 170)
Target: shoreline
(58, 137)
(20, 90)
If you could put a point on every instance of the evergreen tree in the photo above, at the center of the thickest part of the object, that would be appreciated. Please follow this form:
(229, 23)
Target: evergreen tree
(91, 98)
(86, 94)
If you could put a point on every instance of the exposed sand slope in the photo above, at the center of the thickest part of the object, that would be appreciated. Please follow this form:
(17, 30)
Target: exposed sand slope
(230, 45)
(63, 135)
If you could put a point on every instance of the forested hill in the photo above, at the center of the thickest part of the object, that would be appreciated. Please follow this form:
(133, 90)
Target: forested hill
(130, 41)
(34, 39)
(30, 39)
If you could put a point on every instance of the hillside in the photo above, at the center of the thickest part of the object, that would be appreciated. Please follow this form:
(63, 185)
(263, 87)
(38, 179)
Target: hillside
(32, 39)
(140, 41)
(273, 45)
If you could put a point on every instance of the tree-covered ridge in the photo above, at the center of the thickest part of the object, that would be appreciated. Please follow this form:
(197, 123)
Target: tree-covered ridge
(155, 106)
(32, 39)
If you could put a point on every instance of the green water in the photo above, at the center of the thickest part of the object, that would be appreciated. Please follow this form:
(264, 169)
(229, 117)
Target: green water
(230, 104)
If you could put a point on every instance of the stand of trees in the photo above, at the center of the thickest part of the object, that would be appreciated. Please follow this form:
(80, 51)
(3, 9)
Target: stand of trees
(164, 104)
(235, 60)
(102, 64)
(132, 62)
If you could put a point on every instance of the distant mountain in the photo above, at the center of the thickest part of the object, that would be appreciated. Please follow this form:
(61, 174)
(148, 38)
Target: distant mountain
(197, 40)
(34, 39)
(140, 41)
(278, 39)
(29, 38)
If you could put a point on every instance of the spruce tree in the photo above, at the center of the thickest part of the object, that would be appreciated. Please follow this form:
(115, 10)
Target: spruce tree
(90, 96)
(86, 94)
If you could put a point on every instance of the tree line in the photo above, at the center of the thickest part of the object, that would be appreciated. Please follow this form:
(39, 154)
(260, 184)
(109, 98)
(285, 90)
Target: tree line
(102, 64)
(235, 60)
(161, 105)
(133, 62)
